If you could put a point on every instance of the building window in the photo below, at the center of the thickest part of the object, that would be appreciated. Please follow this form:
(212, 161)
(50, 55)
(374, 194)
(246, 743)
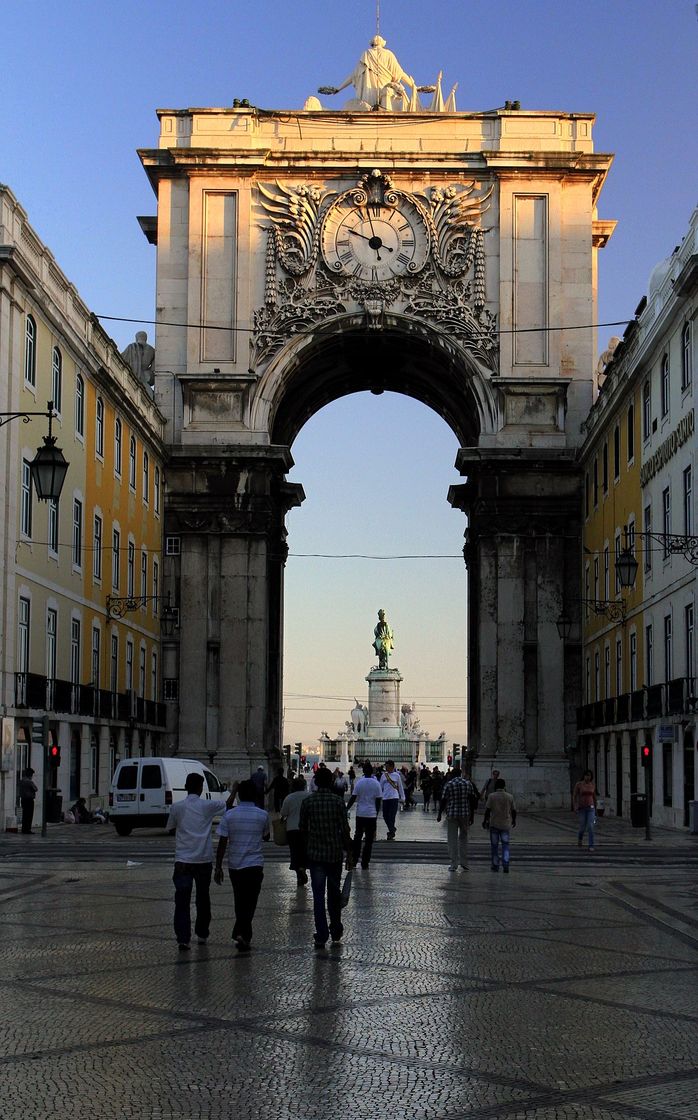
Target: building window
(596, 578)
(630, 433)
(77, 533)
(666, 519)
(667, 771)
(144, 576)
(97, 548)
(649, 655)
(596, 482)
(130, 569)
(117, 447)
(172, 546)
(52, 527)
(646, 410)
(607, 670)
(617, 555)
(688, 501)
(79, 405)
(156, 586)
(668, 649)
(647, 524)
(597, 675)
(586, 494)
(114, 664)
(606, 573)
(170, 688)
(51, 640)
(619, 666)
(99, 427)
(96, 656)
(604, 468)
(132, 463)
(23, 635)
(75, 651)
(690, 637)
(633, 661)
(141, 673)
(664, 385)
(129, 665)
(27, 500)
(30, 352)
(115, 559)
(57, 379)
(616, 452)
(146, 477)
(156, 491)
(686, 357)
(153, 676)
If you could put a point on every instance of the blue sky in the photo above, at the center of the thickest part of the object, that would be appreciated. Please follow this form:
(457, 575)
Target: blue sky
(80, 84)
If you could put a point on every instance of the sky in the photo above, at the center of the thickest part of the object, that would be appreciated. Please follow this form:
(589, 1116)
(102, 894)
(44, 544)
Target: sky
(80, 83)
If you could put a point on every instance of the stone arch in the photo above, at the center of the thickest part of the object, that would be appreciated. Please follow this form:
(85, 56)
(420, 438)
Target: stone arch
(343, 356)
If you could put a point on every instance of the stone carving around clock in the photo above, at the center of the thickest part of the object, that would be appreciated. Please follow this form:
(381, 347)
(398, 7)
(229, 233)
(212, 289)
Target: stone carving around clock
(376, 248)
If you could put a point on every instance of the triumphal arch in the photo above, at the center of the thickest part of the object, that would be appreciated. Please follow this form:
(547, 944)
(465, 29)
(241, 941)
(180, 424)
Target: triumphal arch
(387, 242)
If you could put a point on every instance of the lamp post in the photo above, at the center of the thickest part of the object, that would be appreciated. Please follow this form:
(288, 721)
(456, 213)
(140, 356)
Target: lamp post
(49, 467)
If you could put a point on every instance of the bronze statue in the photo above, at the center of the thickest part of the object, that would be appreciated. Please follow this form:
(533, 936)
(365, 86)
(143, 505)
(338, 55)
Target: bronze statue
(383, 641)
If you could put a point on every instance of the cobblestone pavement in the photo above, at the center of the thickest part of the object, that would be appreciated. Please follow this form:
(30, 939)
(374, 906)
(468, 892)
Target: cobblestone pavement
(564, 990)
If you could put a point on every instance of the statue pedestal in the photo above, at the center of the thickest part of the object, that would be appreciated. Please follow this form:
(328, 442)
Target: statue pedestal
(384, 703)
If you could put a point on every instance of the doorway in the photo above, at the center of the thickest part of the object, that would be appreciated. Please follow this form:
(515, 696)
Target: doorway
(689, 774)
(619, 776)
(75, 760)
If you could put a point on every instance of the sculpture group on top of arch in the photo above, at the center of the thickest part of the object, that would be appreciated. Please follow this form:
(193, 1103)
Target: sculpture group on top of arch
(370, 249)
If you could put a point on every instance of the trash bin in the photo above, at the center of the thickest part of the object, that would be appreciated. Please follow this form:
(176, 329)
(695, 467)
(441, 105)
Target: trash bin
(693, 817)
(54, 806)
(638, 810)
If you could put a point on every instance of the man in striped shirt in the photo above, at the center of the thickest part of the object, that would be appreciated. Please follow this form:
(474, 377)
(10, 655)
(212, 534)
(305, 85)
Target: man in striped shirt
(455, 801)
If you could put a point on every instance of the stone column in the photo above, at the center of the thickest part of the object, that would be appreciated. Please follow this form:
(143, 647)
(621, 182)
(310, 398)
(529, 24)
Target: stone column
(228, 506)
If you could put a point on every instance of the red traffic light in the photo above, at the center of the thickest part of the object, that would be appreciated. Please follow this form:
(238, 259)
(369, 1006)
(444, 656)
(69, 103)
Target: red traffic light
(646, 754)
(54, 754)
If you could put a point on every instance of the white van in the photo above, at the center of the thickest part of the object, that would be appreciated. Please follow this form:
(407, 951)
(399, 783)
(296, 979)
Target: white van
(143, 789)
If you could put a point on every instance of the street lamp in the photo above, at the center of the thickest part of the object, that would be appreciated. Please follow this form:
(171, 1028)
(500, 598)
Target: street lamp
(49, 467)
(118, 606)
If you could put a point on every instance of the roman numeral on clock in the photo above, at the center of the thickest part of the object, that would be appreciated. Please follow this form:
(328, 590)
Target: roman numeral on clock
(403, 258)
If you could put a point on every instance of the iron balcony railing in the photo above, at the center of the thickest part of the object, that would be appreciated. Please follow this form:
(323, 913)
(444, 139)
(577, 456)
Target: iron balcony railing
(45, 694)
(673, 698)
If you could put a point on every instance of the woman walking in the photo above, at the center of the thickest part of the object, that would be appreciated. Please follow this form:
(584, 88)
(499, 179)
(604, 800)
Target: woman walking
(584, 802)
(290, 812)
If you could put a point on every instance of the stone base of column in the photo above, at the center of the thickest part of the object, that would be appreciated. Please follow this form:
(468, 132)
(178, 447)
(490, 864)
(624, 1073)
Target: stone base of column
(544, 785)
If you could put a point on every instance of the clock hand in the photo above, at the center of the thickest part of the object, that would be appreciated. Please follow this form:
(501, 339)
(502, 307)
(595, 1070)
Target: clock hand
(361, 235)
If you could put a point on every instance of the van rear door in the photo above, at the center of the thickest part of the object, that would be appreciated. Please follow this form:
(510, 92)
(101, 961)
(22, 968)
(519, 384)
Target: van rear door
(151, 793)
(126, 789)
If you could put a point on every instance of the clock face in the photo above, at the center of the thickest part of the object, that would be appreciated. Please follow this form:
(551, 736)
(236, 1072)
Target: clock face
(375, 242)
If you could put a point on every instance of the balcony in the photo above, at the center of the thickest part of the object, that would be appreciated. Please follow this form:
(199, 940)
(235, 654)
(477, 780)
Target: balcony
(675, 698)
(32, 691)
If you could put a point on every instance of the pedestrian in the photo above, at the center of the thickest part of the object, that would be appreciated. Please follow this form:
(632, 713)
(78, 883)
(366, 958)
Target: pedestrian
(278, 788)
(584, 802)
(437, 785)
(242, 831)
(259, 781)
(191, 821)
(410, 787)
(425, 785)
(27, 797)
(393, 794)
(500, 818)
(488, 787)
(340, 785)
(455, 802)
(351, 774)
(324, 822)
(291, 813)
(367, 795)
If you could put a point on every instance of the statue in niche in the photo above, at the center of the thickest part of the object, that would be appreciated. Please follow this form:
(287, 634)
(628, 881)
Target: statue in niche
(382, 640)
(140, 356)
(377, 80)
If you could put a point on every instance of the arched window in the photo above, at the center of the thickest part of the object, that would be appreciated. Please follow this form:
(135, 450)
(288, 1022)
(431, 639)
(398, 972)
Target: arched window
(117, 446)
(99, 427)
(132, 463)
(30, 351)
(146, 477)
(686, 357)
(57, 379)
(79, 405)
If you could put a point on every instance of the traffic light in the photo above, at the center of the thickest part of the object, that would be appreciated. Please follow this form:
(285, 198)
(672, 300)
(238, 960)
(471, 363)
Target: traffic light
(54, 754)
(646, 754)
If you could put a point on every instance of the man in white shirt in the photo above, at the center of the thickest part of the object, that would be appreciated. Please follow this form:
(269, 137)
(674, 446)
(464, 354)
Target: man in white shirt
(191, 820)
(393, 794)
(367, 795)
(242, 831)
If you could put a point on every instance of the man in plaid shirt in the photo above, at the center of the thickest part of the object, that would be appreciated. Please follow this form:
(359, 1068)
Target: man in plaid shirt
(455, 800)
(323, 820)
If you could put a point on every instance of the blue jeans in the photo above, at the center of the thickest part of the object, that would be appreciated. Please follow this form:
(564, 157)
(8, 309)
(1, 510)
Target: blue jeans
(184, 877)
(586, 823)
(390, 808)
(498, 835)
(326, 878)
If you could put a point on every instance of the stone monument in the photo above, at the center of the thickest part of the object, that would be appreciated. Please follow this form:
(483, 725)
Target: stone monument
(140, 356)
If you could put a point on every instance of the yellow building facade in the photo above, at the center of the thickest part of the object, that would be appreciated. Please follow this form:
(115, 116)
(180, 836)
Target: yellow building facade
(72, 672)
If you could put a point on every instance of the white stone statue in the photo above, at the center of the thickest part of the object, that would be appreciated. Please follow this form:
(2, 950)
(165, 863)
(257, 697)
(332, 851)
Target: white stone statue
(140, 356)
(359, 717)
(607, 355)
(377, 79)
